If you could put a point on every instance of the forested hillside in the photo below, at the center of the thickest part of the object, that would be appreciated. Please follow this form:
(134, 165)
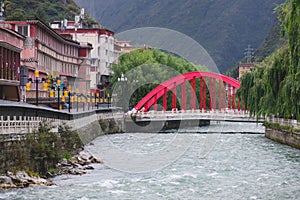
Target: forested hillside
(223, 27)
(273, 88)
(45, 10)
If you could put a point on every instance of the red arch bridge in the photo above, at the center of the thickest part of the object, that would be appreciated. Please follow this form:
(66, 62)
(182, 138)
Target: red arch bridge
(203, 91)
(190, 97)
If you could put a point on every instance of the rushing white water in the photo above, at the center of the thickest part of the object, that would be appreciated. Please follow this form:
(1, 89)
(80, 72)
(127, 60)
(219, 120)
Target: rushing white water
(232, 166)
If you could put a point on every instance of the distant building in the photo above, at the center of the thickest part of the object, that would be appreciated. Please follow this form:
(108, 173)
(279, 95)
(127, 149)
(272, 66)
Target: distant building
(52, 55)
(102, 54)
(11, 44)
(246, 67)
(124, 47)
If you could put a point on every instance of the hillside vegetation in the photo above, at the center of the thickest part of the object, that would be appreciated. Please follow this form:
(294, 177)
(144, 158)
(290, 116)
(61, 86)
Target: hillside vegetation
(223, 27)
(45, 10)
(273, 88)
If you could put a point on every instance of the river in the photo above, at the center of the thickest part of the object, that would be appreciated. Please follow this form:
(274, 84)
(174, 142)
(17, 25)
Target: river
(222, 161)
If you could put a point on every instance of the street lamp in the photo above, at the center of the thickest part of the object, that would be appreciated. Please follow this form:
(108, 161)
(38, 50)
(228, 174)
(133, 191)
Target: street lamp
(97, 100)
(77, 99)
(36, 75)
(69, 95)
(122, 80)
(58, 94)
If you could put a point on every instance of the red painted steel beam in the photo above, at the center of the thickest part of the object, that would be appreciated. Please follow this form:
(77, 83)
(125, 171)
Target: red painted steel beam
(183, 96)
(193, 94)
(229, 96)
(174, 97)
(233, 98)
(200, 93)
(165, 100)
(204, 94)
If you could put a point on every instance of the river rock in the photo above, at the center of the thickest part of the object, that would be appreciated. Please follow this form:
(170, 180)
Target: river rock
(6, 182)
(21, 179)
(94, 160)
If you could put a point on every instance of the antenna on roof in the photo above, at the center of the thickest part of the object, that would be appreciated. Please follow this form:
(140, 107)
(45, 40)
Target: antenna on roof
(63, 24)
(2, 9)
(82, 13)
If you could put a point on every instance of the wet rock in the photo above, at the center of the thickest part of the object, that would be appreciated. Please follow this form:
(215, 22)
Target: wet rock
(6, 182)
(65, 162)
(94, 160)
(89, 167)
(21, 179)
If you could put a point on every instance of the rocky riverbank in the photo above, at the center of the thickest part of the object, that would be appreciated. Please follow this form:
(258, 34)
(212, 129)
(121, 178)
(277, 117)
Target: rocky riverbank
(76, 165)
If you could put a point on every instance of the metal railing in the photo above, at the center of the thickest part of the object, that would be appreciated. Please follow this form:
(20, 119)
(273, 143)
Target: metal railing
(219, 115)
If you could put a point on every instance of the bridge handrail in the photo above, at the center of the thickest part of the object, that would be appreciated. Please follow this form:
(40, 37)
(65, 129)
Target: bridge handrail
(181, 112)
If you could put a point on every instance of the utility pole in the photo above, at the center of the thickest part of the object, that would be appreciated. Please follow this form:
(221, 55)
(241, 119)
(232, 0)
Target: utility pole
(249, 52)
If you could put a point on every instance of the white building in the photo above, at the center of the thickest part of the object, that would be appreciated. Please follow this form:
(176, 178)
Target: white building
(102, 54)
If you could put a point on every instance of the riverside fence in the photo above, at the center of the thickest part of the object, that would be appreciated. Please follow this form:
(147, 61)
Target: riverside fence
(18, 119)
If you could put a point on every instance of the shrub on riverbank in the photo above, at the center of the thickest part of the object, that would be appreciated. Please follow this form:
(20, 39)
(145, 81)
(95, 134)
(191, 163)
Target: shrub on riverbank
(41, 150)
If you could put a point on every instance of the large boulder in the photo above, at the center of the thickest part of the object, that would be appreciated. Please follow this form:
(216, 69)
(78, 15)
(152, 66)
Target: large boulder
(6, 182)
(22, 179)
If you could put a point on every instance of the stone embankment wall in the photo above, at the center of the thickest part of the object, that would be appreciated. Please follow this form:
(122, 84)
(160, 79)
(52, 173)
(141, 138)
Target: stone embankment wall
(283, 131)
(284, 137)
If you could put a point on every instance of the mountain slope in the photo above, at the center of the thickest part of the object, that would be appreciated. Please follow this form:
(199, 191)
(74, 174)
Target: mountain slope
(45, 10)
(223, 27)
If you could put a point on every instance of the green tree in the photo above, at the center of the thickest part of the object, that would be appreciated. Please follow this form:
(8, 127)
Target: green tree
(273, 87)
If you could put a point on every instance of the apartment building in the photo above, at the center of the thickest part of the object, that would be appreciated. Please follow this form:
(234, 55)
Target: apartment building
(53, 55)
(11, 44)
(102, 54)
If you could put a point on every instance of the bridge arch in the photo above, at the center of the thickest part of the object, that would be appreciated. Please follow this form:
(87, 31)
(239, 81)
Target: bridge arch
(226, 91)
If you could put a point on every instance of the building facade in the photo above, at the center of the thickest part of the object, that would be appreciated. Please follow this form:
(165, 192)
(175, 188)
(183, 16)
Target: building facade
(52, 55)
(246, 67)
(102, 54)
(11, 44)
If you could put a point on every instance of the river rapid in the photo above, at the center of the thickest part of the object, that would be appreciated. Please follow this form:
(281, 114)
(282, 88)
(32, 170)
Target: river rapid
(222, 161)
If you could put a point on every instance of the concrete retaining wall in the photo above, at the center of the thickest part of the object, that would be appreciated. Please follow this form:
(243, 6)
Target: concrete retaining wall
(284, 137)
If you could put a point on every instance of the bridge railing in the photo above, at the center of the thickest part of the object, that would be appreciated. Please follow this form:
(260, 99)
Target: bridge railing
(195, 113)
(18, 125)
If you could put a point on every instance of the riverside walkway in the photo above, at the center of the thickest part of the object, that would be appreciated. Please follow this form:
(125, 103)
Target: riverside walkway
(20, 118)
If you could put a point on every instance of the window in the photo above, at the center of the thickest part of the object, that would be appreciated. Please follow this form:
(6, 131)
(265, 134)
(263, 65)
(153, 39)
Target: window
(23, 30)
